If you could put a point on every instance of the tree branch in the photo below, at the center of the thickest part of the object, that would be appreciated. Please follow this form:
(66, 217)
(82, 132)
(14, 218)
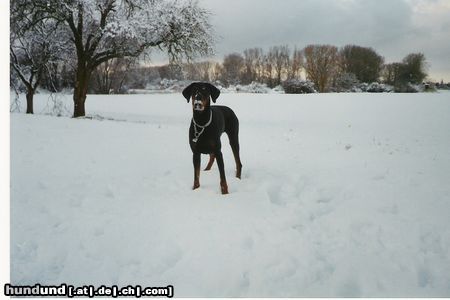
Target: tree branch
(101, 57)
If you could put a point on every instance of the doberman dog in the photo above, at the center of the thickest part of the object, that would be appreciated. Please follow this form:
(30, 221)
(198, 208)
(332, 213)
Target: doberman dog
(207, 125)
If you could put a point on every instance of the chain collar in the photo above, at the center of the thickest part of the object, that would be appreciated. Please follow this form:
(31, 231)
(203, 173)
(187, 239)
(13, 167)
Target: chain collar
(197, 132)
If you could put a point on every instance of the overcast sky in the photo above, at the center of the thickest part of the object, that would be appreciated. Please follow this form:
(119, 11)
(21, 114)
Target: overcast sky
(394, 28)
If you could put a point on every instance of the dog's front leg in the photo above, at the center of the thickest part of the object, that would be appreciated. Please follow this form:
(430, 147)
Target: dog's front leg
(223, 180)
(196, 160)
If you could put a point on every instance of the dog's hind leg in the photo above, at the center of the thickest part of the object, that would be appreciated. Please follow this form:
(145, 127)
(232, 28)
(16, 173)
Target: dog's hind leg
(212, 157)
(234, 143)
(237, 159)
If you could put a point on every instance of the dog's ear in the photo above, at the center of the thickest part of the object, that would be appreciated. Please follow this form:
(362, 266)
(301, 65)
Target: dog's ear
(187, 92)
(213, 91)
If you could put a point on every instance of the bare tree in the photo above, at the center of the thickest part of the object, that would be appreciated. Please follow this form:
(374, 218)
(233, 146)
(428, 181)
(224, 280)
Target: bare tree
(110, 76)
(233, 65)
(101, 30)
(171, 71)
(217, 70)
(280, 59)
(320, 64)
(296, 64)
(191, 72)
(275, 65)
(200, 71)
(253, 65)
(268, 68)
(391, 73)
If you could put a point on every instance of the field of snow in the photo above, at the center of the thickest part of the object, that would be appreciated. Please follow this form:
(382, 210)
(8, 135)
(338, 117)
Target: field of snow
(341, 195)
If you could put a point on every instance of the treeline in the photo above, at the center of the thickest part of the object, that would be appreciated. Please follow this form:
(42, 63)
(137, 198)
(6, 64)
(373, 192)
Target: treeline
(330, 68)
(327, 68)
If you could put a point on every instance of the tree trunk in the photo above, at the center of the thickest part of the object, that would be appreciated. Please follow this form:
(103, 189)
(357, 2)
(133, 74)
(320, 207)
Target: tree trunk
(80, 91)
(30, 94)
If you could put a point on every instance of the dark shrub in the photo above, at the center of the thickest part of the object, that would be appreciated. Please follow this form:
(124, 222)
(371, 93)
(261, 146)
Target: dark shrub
(295, 86)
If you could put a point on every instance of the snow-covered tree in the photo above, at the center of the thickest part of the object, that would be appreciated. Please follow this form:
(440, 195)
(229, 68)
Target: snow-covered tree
(35, 43)
(101, 30)
(345, 82)
(298, 86)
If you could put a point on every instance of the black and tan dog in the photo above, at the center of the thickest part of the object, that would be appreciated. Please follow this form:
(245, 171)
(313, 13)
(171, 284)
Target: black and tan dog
(207, 125)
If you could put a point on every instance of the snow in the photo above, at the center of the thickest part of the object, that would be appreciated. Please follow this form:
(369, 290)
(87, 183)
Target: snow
(341, 195)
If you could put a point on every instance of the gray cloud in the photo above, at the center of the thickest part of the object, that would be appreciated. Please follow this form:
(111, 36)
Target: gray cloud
(393, 27)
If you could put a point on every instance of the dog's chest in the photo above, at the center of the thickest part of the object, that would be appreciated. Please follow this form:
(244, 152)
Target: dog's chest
(204, 143)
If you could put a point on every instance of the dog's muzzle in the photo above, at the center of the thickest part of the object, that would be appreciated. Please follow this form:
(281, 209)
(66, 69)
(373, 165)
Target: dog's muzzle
(198, 105)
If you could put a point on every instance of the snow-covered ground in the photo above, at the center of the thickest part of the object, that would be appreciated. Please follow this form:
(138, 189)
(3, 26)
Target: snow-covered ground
(341, 195)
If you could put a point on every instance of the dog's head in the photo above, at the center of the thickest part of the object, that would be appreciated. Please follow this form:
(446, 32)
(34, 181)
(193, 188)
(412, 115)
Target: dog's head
(201, 94)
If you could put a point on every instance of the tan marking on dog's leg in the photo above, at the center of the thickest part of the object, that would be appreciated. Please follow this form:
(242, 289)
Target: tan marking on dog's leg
(196, 161)
(224, 187)
(212, 157)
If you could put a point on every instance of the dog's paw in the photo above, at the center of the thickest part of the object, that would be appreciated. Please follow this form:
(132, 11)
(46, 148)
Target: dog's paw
(239, 171)
(196, 185)
(224, 188)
